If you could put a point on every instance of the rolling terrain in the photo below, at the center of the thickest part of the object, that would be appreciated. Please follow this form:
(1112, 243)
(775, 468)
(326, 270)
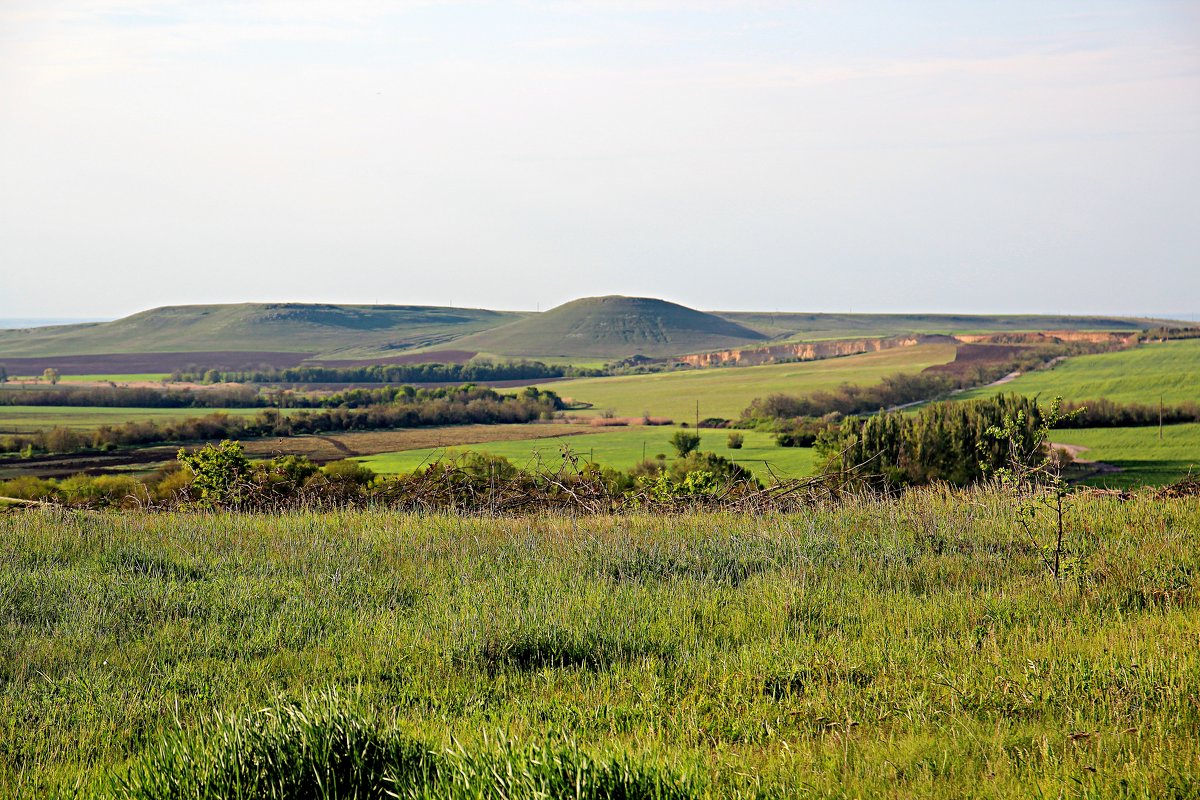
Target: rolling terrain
(724, 392)
(1170, 370)
(584, 331)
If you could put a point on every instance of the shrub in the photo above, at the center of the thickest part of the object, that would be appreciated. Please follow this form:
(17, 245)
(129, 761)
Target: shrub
(735, 441)
(685, 442)
(219, 473)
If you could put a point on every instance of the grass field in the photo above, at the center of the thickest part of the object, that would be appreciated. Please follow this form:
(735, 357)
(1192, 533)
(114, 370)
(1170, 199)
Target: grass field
(621, 448)
(1138, 453)
(914, 648)
(724, 392)
(1140, 375)
(26, 419)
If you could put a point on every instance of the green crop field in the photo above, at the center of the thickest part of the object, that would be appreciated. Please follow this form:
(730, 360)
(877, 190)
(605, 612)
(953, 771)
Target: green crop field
(1141, 375)
(725, 391)
(1138, 453)
(26, 419)
(910, 648)
(621, 448)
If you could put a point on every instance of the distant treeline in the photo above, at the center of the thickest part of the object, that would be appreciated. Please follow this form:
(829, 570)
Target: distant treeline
(224, 397)
(1107, 414)
(393, 373)
(894, 390)
(1164, 334)
(413, 409)
(137, 397)
(942, 442)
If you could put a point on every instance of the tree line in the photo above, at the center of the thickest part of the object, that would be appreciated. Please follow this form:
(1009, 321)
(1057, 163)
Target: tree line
(471, 372)
(420, 408)
(951, 442)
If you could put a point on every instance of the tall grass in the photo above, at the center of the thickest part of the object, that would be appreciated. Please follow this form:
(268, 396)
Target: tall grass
(906, 648)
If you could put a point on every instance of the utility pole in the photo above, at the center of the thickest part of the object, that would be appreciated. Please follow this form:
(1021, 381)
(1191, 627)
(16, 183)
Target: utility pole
(1160, 416)
(697, 415)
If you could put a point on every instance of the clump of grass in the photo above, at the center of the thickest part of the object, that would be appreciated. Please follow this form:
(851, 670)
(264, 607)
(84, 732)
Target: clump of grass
(730, 560)
(140, 560)
(324, 747)
(530, 649)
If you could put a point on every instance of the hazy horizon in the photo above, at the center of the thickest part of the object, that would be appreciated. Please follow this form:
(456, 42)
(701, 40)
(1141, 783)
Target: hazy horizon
(792, 156)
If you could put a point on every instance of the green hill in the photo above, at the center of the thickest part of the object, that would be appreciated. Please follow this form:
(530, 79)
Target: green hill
(793, 326)
(613, 327)
(333, 331)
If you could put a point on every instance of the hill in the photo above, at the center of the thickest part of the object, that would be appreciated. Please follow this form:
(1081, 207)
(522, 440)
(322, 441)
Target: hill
(792, 326)
(315, 330)
(613, 327)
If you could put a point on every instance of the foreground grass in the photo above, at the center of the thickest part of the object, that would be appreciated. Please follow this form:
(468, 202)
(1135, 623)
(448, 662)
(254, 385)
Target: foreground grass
(619, 447)
(913, 648)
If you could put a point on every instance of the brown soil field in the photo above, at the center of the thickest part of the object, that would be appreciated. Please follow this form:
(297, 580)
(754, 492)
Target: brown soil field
(426, 357)
(133, 363)
(334, 446)
(969, 356)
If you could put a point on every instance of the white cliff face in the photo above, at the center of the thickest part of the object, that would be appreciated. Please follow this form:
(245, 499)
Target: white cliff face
(804, 351)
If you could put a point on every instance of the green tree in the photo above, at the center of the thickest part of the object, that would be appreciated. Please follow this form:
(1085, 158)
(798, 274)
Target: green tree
(685, 442)
(220, 473)
(50, 374)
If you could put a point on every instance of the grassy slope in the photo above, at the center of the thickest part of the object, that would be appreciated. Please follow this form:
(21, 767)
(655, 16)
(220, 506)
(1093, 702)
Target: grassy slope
(341, 331)
(613, 327)
(911, 649)
(1139, 375)
(621, 448)
(724, 392)
(1142, 458)
(807, 327)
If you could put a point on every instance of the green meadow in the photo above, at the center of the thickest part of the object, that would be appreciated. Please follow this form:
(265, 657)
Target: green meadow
(26, 419)
(1170, 370)
(726, 391)
(620, 447)
(908, 648)
(1141, 456)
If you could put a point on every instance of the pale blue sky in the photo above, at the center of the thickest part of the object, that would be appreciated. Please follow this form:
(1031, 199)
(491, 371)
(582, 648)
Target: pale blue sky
(921, 156)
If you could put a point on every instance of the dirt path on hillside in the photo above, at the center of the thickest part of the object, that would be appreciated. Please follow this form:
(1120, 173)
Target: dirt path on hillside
(1087, 467)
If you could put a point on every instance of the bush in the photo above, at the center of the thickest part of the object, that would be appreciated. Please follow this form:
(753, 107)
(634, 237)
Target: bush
(685, 442)
(735, 441)
(219, 473)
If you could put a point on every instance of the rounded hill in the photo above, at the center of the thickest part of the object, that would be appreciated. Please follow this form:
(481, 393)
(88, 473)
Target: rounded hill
(614, 327)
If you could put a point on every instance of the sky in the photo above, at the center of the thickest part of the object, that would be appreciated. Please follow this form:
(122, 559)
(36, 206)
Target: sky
(989, 157)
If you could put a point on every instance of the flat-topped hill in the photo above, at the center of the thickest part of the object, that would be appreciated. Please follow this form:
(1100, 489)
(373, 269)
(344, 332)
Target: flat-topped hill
(342, 331)
(613, 327)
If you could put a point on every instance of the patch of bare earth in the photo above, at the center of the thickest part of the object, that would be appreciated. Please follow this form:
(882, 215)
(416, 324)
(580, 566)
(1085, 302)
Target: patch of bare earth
(1085, 467)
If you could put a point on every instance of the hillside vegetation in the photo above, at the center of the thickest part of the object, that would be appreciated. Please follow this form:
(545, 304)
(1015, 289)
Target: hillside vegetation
(910, 648)
(725, 392)
(794, 326)
(614, 327)
(1170, 370)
